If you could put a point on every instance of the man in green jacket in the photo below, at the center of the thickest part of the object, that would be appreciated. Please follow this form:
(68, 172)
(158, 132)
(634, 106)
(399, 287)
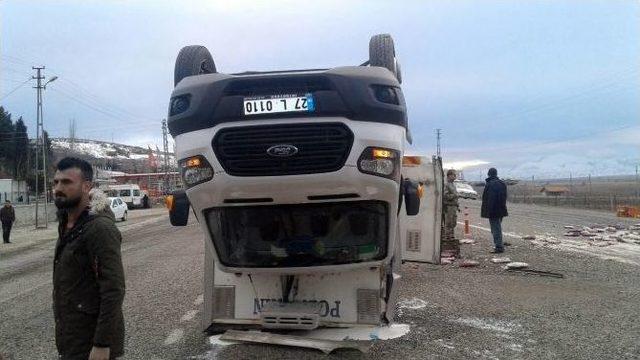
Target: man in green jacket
(88, 277)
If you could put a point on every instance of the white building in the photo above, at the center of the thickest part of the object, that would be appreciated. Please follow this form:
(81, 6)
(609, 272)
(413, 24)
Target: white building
(14, 190)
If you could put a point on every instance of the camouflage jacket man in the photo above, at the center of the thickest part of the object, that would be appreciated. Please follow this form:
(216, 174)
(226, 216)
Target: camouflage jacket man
(88, 283)
(450, 196)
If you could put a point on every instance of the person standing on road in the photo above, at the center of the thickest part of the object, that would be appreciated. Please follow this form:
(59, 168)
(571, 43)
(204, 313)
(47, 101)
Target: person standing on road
(7, 217)
(88, 277)
(450, 207)
(494, 207)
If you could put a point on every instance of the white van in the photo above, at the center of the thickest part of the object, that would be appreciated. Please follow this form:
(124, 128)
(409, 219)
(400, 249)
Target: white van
(295, 178)
(129, 193)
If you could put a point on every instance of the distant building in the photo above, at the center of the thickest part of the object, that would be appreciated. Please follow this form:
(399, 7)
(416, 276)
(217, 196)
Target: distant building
(13, 190)
(555, 190)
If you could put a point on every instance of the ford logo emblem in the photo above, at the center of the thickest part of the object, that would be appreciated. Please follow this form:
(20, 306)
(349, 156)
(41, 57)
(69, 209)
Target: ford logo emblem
(282, 150)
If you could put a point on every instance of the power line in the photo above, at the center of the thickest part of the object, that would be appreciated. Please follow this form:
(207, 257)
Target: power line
(14, 90)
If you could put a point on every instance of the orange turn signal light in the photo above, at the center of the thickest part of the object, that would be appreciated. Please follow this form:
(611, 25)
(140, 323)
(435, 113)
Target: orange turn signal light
(193, 162)
(169, 202)
(382, 153)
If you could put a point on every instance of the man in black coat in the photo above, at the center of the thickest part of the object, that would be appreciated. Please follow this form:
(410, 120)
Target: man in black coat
(494, 207)
(7, 217)
(88, 277)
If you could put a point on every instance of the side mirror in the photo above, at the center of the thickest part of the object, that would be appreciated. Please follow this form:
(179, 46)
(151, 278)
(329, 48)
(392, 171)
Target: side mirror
(411, 197)
(178, 205)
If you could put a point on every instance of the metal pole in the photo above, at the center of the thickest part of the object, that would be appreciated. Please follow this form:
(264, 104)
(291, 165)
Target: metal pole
(39, 136)
(438, 132)
(44, 166)
(165, 144)
(637, 184)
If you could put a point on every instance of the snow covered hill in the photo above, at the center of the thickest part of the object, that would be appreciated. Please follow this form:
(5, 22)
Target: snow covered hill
(109, 155)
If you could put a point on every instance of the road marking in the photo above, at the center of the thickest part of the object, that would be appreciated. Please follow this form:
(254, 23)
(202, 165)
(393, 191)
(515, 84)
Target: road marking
(199, 300)
(189, 315)
(489, 230)
(174, 337)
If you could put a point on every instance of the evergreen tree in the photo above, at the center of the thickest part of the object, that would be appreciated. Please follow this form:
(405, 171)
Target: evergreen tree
(21, 151)
(6, 141)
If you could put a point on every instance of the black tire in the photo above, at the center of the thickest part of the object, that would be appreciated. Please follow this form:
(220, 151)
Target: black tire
(382, 53)
(193, 60)
(124, 216)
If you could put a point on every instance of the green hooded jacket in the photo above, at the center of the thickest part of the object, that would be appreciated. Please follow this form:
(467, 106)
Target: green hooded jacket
(88, 283)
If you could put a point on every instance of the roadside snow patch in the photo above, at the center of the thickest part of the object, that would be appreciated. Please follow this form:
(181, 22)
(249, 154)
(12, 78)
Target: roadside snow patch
(504, 327)
(412, 304)
(445, 345)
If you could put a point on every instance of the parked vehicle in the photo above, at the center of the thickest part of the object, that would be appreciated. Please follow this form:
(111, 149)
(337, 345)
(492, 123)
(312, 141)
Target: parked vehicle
(465, 190)
(296, 179)
(119, 208)
(129, 193)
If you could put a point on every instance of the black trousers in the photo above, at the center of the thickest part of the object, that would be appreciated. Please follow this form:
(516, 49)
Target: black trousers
(6, 231)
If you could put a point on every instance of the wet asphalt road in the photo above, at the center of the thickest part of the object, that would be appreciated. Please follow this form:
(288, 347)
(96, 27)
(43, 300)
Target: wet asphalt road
(454, 312)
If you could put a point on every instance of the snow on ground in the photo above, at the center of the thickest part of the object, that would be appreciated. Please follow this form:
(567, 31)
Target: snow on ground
(500, 326)
(102, 150)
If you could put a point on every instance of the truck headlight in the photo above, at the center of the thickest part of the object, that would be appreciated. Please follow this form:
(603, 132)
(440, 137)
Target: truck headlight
(380, 162)
(195, 170)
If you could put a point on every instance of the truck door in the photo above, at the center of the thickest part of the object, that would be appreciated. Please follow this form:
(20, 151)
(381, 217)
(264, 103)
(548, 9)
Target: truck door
(420, 234)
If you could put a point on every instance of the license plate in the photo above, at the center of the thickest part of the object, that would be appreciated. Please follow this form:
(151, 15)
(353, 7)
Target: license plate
(278, 104)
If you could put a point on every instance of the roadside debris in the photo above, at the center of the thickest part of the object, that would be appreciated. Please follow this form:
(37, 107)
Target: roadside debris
(467, 241)
(447, 260)
(469, 263)
(529, 237)
(516, 265)
(326, 346)
(538, 272)
(503, 260)
(605, 235)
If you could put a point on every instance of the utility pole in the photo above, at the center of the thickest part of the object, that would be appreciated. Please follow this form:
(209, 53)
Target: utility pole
(165, 144)
(438, 133)
(637, 184)
(41, 146)
(72, 134)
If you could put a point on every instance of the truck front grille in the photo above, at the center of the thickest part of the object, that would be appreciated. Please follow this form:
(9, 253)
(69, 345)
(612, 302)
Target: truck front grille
(242, 151)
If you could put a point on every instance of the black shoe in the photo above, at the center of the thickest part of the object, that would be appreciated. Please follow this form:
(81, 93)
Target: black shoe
(497, 251)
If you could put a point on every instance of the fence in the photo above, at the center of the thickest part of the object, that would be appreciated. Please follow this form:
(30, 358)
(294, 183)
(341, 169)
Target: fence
(582, 201)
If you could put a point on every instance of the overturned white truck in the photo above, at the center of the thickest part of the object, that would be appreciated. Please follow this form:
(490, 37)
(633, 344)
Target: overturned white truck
(296, 179)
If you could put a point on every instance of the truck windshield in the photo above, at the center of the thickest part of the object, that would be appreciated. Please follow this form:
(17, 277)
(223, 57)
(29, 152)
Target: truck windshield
(300, 235)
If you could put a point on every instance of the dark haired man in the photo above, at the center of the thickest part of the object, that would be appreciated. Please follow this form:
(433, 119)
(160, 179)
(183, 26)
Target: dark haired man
(7, 217)
(494, 207)
(88, 277)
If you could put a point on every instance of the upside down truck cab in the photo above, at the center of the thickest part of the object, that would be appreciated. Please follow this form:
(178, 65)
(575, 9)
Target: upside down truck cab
(296, 180)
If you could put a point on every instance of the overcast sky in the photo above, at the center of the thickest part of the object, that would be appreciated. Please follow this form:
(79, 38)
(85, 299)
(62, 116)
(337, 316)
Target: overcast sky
(542, 88)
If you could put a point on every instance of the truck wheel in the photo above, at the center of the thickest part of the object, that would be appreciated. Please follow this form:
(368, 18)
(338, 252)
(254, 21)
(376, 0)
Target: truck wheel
(382, 53)
(193, 60)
